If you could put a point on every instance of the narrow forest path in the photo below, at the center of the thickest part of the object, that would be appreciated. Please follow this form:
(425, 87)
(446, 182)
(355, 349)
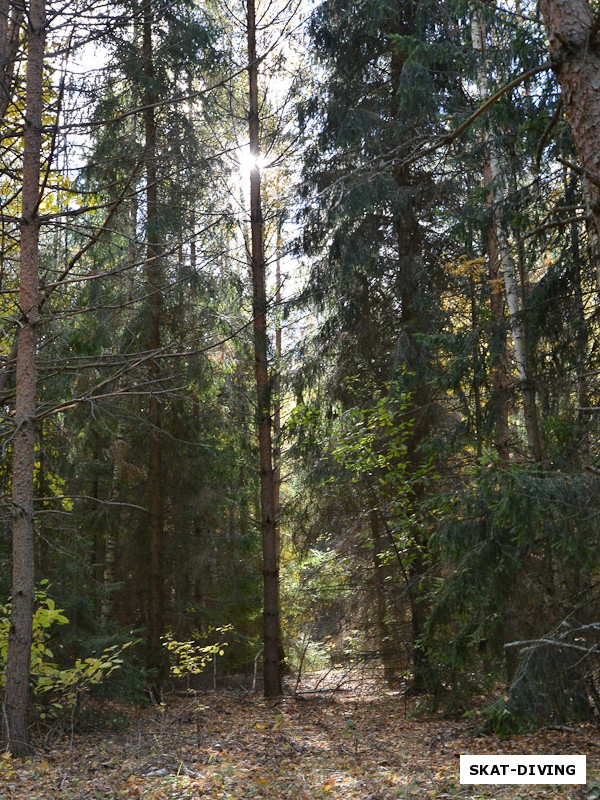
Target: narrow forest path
(230, 744)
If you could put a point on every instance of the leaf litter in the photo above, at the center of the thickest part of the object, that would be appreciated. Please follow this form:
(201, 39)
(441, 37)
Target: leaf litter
(233, 745)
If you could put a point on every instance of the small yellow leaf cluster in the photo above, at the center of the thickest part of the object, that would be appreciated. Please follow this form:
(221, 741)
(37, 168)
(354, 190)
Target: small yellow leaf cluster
(6, 766)
(191, 658)
(464, 267)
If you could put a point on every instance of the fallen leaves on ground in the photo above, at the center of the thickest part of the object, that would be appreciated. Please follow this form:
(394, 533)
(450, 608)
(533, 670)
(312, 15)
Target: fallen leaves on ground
(230, 745)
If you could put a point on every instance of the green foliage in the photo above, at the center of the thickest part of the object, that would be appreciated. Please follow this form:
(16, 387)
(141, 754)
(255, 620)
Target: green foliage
(499, 720)
(371, 443)
(314, 590)
(404, 444)
(550, 688)
(56, 690)
(512, 534)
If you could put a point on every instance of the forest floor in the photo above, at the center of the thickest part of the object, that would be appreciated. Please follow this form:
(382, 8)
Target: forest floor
(232, 744)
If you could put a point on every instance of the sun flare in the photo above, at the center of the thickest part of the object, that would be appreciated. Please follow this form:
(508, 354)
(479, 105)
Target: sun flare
(248, 162)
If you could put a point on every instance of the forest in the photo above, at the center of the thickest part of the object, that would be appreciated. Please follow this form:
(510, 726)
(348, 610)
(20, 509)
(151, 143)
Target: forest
(299, 393)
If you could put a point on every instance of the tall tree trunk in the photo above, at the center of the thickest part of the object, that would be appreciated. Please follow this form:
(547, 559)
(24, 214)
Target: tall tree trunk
(572, 27)
(271, 632)
(476, 366)
(410, 239)
(23, 575)
(509, 272)
(277, 391)
(277, 409)
(154, 278)
(500, 379)
(582, 339)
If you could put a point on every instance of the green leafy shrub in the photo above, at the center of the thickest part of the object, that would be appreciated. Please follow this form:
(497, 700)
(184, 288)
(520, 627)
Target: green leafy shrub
(56, 690)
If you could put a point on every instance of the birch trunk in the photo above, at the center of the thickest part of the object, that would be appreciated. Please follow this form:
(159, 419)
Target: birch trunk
(500, 372)
(271, 623)
(23, 569)
(509, 272)
(277, 389)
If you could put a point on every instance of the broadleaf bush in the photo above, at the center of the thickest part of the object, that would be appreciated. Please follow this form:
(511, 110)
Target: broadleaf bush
(56, 689)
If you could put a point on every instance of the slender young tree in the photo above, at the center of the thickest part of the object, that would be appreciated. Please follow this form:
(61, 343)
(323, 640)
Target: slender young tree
(23, 575)
(271, 630)
(154, 280)
(500, 374)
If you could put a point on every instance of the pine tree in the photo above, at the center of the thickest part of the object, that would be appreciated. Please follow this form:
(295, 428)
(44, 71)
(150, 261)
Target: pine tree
(15, 717)
(269, 522)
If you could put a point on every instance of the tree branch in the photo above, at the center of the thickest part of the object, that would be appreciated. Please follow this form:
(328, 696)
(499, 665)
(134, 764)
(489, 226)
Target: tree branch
(449, 138)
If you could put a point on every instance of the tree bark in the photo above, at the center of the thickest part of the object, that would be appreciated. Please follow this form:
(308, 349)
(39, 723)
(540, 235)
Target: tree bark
(277, 389)
(23, 567)
(582, 339)
(572, 28)
(154, 278)
(271, 623)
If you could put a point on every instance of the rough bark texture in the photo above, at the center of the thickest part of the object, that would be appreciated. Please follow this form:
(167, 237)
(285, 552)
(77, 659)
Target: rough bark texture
(271, 632)
(19, 641)
(572, 29)
(154, 656)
